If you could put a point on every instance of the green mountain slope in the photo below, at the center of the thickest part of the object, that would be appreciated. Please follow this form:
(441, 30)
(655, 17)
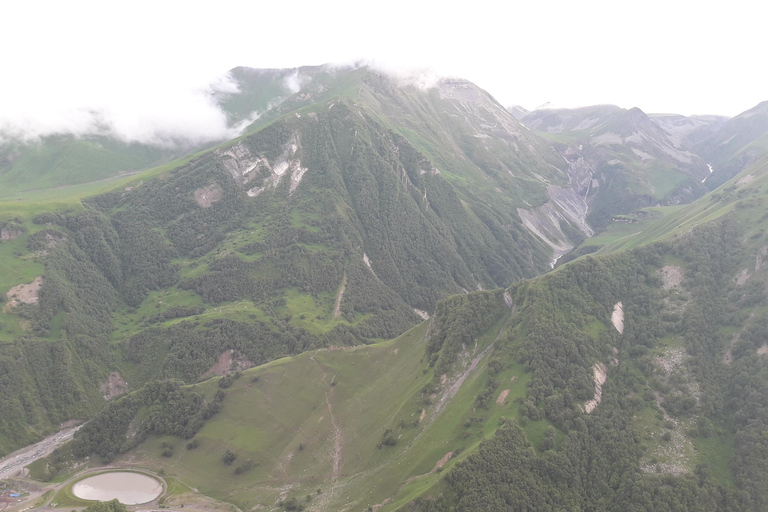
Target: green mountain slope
(323, 228)
(68, 160)
(541, 397)
(737, 144)
(621, 160)
(280, 262)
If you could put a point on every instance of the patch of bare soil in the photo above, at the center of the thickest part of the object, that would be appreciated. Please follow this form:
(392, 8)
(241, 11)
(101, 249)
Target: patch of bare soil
(672, 456)
(599, 377)
(337, 436)
(337, 306)
(9, 234)
(114, 386)
(746, 179)
(617, 317)
(742, 278)
(502, 397)
(423, 413)
(423, 314)
(442, 462)
(24, 293)
(228, 364)
(762, 350)
(206, 196)
(671, 276)
(377, 507)
(448, 394)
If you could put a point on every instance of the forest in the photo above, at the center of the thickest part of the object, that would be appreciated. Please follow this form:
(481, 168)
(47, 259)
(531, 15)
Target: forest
(598, 460)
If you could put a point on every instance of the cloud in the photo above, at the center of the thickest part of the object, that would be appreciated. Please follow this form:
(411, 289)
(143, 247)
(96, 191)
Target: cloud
(154, 109)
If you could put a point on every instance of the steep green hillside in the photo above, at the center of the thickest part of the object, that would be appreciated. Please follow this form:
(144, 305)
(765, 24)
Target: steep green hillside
(737, 144)
(743, 197)
(323, 228)
(257, 305)
(57, 161)
(624, 382)
(621, 160)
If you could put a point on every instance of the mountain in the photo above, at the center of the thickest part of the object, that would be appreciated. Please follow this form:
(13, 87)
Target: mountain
(518, 111)
(620, 160)
(68, 159)
(628, 380)
(61, 160)
(687, 132)
(323, 227)
(344, 309)
(738, 143)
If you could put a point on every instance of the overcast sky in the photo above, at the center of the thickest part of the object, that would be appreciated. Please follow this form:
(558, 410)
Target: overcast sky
(140, 68)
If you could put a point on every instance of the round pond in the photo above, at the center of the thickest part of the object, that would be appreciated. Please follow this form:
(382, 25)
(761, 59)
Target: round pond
(128, 488)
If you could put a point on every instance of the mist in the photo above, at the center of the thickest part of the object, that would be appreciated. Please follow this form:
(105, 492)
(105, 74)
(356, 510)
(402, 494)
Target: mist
(157, 109)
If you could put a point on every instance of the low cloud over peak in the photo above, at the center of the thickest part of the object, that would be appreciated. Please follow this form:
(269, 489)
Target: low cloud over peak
(155, 109)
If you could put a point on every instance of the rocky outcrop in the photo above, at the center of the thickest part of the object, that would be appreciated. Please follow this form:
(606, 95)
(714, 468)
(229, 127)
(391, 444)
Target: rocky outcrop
(9, 234)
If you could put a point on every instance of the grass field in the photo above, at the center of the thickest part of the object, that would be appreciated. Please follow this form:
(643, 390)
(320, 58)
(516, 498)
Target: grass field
(314, 421)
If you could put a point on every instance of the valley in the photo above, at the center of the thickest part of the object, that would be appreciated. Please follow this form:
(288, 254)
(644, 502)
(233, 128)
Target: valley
(384, 297)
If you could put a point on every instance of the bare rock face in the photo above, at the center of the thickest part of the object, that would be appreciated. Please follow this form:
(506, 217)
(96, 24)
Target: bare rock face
(228, 362)
(600, 376)
(206, 196)
(251, 169)
(25, 293)
(241, 163)
(617, 317)
(114, 386)
(760, 260)
(671, 276)
(9, 234)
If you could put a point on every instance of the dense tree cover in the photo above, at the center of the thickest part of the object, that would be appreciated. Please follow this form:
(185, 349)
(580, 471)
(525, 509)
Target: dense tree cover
(596, 466)
(592, 470)
(42, 384)
(175, 312)
(170, 410)
(458, 322)
(106, 506)
(186, 351)
(367, 191)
